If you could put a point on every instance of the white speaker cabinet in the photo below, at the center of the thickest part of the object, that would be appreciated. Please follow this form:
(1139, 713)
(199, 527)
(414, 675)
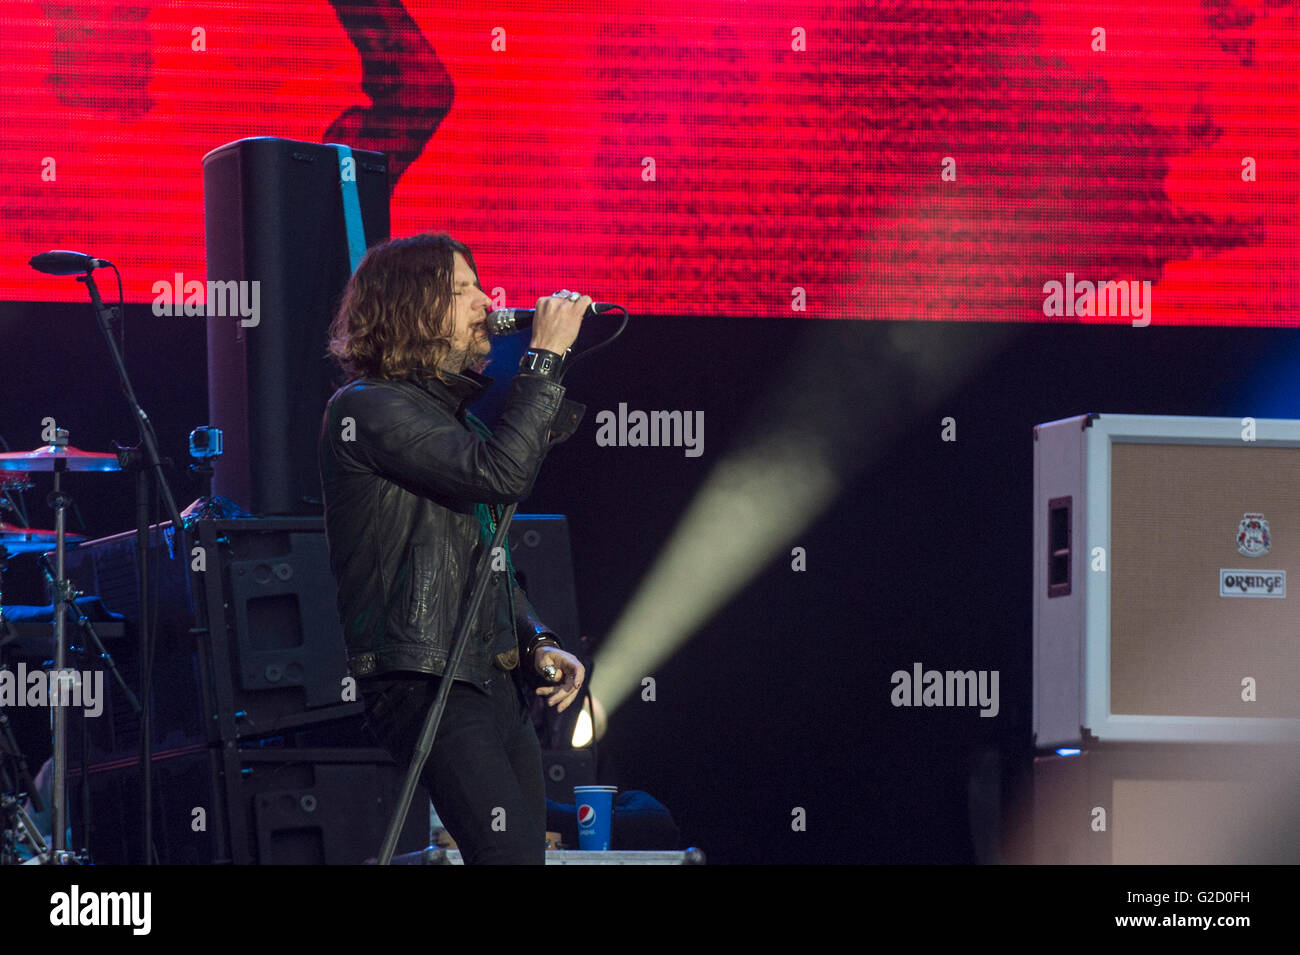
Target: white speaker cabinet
(1162, 552)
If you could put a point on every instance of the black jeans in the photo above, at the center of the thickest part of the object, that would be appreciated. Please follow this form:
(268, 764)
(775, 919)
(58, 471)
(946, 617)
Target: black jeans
(484, 772)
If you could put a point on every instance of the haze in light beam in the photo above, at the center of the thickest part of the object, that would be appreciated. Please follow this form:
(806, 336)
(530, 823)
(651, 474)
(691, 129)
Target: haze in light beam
(750, 508)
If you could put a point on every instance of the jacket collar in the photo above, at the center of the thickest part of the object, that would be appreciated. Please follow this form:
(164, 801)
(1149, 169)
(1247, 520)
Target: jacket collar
(464, 388)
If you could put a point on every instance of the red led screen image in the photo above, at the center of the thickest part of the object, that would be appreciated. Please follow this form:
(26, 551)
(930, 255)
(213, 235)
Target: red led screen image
(944, 160)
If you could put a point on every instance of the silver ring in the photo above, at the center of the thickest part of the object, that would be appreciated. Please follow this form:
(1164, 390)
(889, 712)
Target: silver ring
(562, 293)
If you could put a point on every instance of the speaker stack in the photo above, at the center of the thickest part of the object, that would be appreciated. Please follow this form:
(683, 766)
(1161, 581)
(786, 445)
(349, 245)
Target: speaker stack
(260, 751)
(1166, 666)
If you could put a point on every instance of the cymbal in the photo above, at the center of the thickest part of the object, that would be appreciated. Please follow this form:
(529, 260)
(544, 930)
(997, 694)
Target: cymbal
(49, 457)
(29, 540)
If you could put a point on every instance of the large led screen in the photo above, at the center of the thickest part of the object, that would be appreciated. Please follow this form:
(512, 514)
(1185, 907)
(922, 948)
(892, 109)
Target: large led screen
(943, 160)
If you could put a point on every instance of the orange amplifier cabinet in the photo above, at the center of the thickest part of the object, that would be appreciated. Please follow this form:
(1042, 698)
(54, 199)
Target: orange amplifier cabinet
(1163, 547)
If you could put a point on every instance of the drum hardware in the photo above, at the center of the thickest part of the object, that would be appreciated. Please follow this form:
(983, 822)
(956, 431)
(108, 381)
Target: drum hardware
(16, 825)
(59, 457)
(145, 461)
(85, 626)
(20, 829)
(30, 540)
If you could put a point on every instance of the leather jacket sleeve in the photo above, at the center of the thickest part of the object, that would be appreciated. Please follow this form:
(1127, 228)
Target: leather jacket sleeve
(529, 626)
(432, 454)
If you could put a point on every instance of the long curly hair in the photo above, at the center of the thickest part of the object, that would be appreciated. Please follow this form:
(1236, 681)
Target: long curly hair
(395, 315)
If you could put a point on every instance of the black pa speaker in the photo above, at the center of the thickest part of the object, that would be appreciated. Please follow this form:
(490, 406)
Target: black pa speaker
(251, 807)
(273, 214)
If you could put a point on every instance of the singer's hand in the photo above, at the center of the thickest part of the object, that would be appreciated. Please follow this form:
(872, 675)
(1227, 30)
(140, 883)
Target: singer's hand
(572, 673)
(556, 324)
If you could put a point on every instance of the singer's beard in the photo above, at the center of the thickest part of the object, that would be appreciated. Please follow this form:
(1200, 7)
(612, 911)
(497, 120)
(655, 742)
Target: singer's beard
(475, 357)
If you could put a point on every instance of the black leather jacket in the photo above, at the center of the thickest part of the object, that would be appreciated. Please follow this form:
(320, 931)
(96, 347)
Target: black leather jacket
(401, 472)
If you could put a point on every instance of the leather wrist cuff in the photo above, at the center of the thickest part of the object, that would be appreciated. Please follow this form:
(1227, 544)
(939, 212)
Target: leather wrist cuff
(542, 641)
(539, 361)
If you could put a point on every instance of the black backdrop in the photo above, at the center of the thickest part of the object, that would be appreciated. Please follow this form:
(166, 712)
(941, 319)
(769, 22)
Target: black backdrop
(782, 699)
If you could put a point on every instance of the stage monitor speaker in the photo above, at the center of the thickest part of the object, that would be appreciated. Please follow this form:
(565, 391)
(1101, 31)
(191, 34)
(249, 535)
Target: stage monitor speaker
(257, 651)
(275, 647)
(273, 215)
(258, 807)
(319, 807)
(1162, 548)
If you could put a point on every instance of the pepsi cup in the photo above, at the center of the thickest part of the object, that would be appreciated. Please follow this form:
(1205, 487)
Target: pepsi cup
(595, 805)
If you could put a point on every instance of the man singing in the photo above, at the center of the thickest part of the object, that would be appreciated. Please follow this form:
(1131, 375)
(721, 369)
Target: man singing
(413, 487)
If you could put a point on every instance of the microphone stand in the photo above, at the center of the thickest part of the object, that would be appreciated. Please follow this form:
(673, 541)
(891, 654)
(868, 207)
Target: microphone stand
(483, 573)
(145, 460)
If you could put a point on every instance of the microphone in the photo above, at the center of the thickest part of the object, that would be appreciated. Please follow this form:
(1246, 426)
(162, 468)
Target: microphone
(507, 321)
(60, 262)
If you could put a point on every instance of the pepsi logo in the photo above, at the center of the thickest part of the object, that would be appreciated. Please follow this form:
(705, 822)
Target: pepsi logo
(586, 816)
